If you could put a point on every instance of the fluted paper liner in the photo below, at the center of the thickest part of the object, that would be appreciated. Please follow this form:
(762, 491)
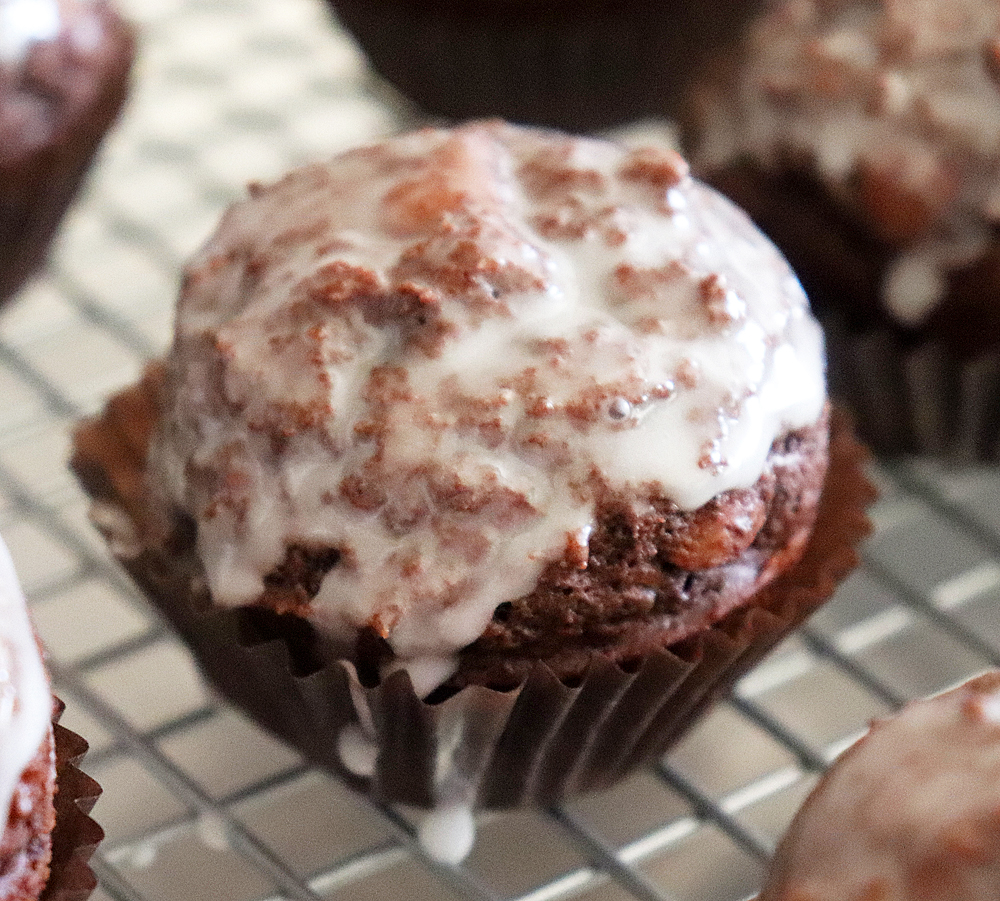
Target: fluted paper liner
(534, 744)
(76, 835)
(916, 399)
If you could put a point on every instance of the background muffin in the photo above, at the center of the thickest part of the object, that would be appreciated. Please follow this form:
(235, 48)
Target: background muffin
(64, 68)
(495, 430)
(862, 138)
(910, 811)
(576, 65)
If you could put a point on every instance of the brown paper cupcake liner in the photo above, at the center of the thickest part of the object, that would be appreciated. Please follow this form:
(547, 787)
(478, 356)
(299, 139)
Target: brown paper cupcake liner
(490, 749)
(916, 399)
(76, 835)
(576, 64)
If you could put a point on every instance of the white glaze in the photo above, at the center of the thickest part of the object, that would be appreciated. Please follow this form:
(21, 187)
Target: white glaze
(25, 701)
(426, 568)
(24, 23)
(358, 751)
(213, 832)
(447, 833)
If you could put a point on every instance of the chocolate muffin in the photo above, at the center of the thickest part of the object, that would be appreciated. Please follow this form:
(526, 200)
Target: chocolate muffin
(45, 843)
(64, 67)
(909, 813)
(575, 64)
(861, 137)
(481, 425)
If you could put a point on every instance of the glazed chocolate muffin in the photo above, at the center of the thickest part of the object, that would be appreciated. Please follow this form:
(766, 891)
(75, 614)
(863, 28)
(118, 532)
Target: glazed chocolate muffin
(64, 68)
(481, 423)
(575, 64)
(45, 843)
(861, 137)
(909, 812)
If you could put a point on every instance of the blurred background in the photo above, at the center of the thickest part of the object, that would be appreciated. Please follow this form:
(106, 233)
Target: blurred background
(200, 804)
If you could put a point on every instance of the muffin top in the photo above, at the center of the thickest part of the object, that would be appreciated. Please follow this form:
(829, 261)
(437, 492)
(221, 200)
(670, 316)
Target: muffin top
(909, 813)
(25, 701)
(895, 105)
(420, 364)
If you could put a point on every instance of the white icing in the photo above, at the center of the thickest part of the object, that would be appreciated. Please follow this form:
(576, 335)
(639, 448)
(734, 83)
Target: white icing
(447, 833)
(25, 701)
(991, 707)
(358, 751)
(23, 23)
(665, 394)
(213, 832)
(908, 88)
(426, 673)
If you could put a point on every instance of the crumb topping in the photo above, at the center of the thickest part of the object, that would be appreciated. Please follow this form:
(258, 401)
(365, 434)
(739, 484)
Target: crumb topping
(895, 104)
(431, 355)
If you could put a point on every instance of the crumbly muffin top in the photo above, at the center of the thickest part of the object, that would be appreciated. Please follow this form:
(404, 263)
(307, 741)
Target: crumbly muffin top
(25, 701)
(426, 358)
(910, 813)
(896, 106)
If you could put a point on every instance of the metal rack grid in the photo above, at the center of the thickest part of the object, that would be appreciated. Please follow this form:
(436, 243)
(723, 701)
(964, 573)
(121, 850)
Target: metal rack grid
(199, 803)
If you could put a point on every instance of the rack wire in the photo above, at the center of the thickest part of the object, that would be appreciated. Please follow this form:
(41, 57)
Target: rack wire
(201, 804)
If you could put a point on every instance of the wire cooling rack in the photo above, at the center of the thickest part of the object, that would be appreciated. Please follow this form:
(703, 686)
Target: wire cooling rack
(199, 803)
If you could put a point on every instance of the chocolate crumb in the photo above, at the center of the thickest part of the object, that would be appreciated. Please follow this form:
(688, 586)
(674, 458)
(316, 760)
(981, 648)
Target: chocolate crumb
(687, 374)
(657, 167)
(721, 305)
(294, 582)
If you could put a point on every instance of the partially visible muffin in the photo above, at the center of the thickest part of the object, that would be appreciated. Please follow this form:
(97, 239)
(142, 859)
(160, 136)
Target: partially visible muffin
(861, 137)
(909, 813)
(574, 64)
(27, 756)
(64, 67)
(487, 429)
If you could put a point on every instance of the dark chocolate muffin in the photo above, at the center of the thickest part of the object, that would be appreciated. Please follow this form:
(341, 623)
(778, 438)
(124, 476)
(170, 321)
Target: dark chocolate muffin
(576, 64)
(480, 424)
(64, 68)
(861, 137)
